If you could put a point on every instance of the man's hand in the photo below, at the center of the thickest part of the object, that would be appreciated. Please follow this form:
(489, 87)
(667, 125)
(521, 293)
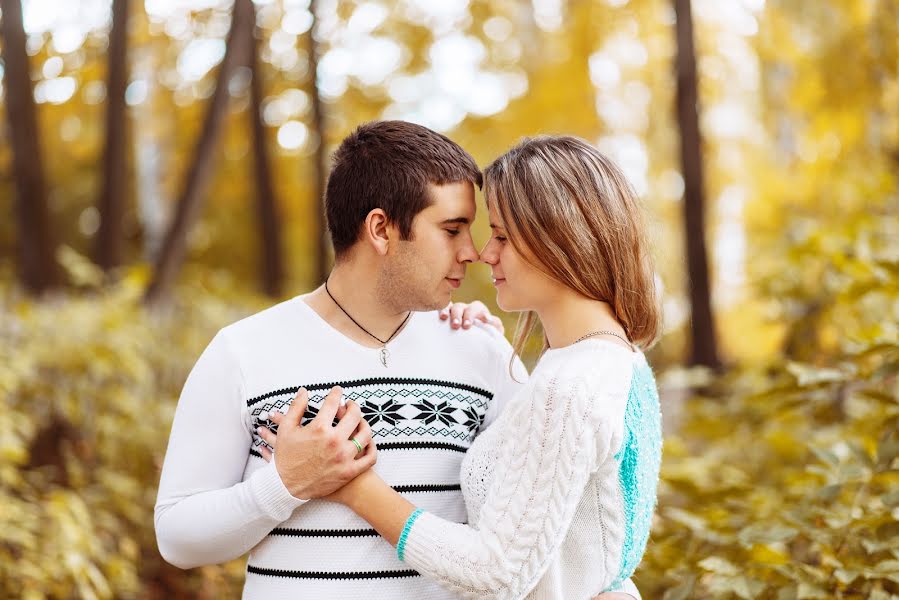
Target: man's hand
(464, 315)
(315, 459)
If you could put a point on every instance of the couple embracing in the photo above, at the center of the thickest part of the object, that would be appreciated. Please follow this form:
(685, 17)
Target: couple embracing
(358, 446)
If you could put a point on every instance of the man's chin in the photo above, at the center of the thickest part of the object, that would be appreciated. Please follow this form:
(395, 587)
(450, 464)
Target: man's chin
(438, 301)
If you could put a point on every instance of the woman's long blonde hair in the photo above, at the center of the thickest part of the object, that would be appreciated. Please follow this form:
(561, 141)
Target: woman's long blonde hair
(571, 210)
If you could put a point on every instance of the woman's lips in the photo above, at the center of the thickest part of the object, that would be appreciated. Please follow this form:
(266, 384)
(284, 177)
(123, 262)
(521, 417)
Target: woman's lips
(498, 280)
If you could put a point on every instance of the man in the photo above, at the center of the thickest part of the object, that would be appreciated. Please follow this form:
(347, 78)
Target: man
(400, 204)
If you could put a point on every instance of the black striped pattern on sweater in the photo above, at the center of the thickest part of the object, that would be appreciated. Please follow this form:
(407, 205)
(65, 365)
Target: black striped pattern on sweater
(311, 533)
(408, 445)
(373, 381)
(332, 575)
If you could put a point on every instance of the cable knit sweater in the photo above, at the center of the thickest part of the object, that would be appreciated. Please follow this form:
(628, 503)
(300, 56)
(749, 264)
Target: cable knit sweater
(560, 491)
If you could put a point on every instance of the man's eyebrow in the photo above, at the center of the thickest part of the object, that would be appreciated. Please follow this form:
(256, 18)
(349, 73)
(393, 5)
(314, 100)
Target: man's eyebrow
(457, 220)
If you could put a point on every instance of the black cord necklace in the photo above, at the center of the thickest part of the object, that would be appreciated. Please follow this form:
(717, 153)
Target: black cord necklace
(385, 354)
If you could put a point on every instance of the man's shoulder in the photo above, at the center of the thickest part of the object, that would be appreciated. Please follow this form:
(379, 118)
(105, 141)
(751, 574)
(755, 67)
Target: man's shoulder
(260, 325)
(482, 343)
(479, 335)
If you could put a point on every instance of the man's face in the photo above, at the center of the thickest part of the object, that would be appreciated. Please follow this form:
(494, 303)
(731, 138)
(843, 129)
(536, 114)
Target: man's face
(422, 272)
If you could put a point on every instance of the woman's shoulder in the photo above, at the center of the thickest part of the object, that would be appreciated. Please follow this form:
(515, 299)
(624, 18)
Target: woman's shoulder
(590, 356)
(597, 368)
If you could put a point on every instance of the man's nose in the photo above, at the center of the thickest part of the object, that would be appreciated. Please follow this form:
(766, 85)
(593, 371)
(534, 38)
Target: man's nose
(468, 253)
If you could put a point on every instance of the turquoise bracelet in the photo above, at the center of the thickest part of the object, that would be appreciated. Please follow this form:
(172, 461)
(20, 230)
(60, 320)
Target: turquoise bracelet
(401, 544)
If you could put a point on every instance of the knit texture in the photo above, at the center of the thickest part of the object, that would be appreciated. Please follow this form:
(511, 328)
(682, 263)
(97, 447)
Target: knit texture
(401, 543)
(218, 499)
(640, 460)
(545, 492)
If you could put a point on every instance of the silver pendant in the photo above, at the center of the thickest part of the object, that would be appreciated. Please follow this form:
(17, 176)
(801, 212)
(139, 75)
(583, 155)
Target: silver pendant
(384, 355)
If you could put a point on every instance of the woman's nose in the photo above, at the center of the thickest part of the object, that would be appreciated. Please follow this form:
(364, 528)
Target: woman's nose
(488, 255)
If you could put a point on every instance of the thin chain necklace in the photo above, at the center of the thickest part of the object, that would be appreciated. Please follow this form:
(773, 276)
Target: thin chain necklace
(385, 353)
(604, 332)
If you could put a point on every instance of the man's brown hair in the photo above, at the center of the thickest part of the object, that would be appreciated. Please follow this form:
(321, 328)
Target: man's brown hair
(388, 165)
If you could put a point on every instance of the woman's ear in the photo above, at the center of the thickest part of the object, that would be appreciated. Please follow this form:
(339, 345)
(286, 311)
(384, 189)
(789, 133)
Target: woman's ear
(378, 231)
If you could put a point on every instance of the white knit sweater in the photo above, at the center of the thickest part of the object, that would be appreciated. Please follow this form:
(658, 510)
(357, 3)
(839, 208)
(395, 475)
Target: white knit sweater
(218, 499)
(560, 490)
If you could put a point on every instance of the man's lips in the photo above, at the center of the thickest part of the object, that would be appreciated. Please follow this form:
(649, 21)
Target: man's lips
(454, 281)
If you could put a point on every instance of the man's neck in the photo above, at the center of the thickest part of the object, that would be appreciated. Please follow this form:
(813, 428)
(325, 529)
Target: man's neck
(354, 289)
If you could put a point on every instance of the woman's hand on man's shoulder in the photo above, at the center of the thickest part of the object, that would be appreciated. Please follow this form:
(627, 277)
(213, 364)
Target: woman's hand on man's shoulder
(462, 315)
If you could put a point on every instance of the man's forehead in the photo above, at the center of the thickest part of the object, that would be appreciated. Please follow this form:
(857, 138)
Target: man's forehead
(452, 202)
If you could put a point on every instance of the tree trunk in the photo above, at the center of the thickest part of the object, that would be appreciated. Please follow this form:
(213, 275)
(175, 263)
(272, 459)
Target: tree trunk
(187, 210)
(702, 326)
(323, 246)
(35, 240)
(111, 204)
(271, 254)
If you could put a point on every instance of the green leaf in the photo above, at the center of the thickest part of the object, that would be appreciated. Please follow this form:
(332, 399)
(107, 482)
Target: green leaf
(846, 576)
(716, 564)
(682, 591)
(891, 498)
(807, 375)
(766, 533)
(807, 590)
(741, 585)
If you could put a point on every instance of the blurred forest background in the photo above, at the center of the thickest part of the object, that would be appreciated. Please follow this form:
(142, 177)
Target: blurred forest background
(161, 169)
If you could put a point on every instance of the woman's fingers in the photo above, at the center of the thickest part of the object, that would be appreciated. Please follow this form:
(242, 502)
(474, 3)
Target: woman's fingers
(456, 311)
(497, 323)
(268, 436)
(462, 315)
(475, 311)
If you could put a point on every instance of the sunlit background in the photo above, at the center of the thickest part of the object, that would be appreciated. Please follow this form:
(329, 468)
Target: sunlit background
(780, 476)
(454, 66)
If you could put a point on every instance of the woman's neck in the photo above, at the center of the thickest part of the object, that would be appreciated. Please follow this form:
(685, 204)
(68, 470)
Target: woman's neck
(570, 316)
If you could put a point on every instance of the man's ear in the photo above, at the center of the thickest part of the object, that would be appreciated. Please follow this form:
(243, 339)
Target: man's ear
(378, 231)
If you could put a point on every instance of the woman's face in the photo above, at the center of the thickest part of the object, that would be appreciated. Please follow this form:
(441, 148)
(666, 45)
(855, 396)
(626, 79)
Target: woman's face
(520, 286)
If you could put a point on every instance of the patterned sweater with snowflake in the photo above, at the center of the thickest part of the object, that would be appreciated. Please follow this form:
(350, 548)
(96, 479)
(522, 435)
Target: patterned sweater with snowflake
(218, 499)
(560, 490)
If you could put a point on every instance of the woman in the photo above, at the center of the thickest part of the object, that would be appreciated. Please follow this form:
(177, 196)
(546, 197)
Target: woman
(560, 490)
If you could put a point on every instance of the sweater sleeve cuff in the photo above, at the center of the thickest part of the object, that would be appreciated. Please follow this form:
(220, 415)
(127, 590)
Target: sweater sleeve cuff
(401, 544)
(272, 495)
(424, 534)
